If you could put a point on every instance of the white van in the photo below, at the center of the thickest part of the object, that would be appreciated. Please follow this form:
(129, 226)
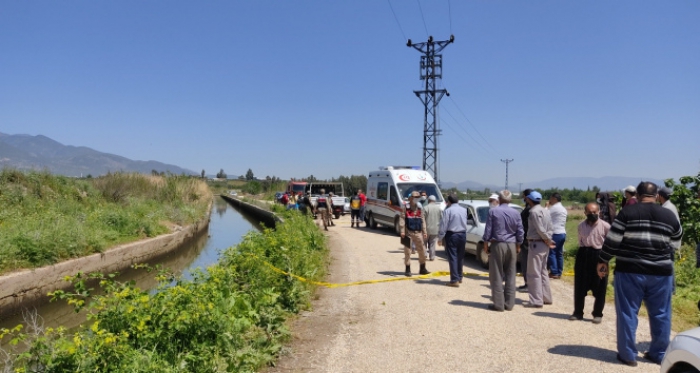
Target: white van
(389, 188)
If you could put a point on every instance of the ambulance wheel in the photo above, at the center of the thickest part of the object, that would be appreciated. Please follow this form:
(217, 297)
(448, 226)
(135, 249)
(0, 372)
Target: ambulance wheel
(481, 256)
(372, 222)
(337, 215)
(396, 226)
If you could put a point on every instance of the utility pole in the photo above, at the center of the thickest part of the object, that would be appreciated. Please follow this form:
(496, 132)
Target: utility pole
(506, 161)
(520, 188)
(431, 73)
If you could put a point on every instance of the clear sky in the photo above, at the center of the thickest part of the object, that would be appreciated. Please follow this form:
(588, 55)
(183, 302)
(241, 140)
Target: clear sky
(294, 88)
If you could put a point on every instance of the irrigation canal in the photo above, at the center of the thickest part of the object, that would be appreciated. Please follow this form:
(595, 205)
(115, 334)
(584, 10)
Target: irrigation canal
(227, 227)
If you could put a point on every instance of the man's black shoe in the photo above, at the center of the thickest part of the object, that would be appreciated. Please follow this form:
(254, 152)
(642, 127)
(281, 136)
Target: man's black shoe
(628, 363)
(646, 356)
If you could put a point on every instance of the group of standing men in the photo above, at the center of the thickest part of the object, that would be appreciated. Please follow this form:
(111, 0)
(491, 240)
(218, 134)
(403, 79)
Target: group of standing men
(643, 238)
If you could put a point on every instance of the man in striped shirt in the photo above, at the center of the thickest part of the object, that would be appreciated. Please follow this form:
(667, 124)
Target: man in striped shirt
(642, 238)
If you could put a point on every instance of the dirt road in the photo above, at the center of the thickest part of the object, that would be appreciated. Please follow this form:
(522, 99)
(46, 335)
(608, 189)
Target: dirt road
(422, 325)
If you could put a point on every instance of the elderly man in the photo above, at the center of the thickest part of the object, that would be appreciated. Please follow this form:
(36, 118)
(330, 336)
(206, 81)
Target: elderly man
(591, 234)
(453, 230)
(502, 238)
(433, 215)
(642, 238)
(539, 237)
(493, 200)
(630, 196)
(556, 256)
(412, 225)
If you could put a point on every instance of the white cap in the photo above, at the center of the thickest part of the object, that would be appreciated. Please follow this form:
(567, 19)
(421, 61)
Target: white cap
(494, 196)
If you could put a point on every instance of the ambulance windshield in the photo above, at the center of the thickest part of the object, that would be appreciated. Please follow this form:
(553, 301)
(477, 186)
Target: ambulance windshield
(405, 189)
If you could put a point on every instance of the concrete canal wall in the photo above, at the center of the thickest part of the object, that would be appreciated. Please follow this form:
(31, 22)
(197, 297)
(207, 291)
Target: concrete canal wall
(260, 213)
(26, 288)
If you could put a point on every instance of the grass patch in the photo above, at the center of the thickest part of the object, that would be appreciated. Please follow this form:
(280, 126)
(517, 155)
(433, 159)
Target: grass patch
(48, 218)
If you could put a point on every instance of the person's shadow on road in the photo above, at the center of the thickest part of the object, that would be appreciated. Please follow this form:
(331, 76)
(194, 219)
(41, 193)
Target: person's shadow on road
(588, 352)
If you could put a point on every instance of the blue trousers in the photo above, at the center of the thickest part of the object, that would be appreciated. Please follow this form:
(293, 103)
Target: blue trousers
(556, 255)
(630, 290)
(454, 247)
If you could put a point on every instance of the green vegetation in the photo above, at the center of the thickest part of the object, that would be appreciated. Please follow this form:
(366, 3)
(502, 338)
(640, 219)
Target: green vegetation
(230, 319)
(46, 218)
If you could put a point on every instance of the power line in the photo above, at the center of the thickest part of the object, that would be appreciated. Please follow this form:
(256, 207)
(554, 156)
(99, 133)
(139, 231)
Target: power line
(468, 134)
(423, 17)
(449, 13)
(397, 20)
(471, 124)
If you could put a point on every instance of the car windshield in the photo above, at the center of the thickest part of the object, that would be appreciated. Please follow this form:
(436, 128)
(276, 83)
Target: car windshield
(483, 212)
(405, 189)
(298, 188)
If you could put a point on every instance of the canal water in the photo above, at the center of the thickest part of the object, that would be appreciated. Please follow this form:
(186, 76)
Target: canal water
(227, 227)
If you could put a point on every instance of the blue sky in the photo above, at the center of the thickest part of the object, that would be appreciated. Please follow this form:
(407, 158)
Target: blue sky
(293, 88)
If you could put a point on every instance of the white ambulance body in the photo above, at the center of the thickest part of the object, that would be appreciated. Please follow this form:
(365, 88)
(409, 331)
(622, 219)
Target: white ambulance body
(388, 190)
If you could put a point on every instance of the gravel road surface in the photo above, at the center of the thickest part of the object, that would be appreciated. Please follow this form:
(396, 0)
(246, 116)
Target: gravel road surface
(421, 325)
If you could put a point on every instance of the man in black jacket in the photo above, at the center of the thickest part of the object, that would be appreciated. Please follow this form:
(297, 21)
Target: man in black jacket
(642, 237)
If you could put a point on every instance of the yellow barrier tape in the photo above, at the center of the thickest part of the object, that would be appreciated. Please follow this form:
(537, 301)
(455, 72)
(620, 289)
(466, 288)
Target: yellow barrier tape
(366, 282)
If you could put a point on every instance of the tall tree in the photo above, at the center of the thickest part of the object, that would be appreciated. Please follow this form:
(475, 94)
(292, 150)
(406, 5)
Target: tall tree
(203, 173)
(249, 175)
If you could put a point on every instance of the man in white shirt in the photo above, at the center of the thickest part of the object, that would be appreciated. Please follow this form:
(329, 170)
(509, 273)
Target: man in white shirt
(556, 255)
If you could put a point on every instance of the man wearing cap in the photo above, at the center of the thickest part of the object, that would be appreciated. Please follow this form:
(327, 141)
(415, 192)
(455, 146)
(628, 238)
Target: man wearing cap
(539, 238)
(412, 224)
(433, 214)
(665, 200)
(493, 200)
(642, 238)
(502, 237)
(630, 196)
(323, 205)
(556, 256)
(453, 230)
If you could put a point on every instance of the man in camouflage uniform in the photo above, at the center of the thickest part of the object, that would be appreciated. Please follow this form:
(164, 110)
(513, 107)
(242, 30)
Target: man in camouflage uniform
(412, 224)
(323, 206)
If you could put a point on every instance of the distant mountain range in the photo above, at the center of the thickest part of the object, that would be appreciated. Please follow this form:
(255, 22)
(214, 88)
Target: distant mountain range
(25, 152)
(607, 183)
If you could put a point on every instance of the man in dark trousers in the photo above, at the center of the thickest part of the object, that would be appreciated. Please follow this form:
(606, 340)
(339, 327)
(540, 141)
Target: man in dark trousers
(453, 230)
(591, 235)
(524, 215)
(642, 238)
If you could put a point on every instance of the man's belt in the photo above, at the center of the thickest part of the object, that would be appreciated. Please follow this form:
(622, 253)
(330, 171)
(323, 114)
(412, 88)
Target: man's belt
(453, 232)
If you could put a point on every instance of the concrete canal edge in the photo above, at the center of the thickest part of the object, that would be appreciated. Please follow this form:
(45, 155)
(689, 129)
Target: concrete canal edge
(269, 218)
(27, 288)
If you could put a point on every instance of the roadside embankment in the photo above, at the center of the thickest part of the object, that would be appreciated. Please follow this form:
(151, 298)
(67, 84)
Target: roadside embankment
(264, 215)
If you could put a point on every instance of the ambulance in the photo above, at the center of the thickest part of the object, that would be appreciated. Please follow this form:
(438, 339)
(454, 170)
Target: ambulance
(388, 190)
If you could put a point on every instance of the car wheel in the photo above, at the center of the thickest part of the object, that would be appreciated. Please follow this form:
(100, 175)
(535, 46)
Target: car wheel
(396, 226)
(481, 256)
(372, 222)
(337, 215)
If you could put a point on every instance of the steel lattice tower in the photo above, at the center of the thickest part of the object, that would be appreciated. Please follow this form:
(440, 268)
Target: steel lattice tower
(430, 73)
(507, 161)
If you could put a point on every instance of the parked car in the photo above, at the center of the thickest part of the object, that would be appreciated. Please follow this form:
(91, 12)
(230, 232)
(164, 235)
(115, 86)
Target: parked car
(477, 213)
(278, 195)
(683, 353)
(346, 207)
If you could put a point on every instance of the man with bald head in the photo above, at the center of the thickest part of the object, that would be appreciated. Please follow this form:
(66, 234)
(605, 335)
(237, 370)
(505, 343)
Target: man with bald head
(591, 235)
